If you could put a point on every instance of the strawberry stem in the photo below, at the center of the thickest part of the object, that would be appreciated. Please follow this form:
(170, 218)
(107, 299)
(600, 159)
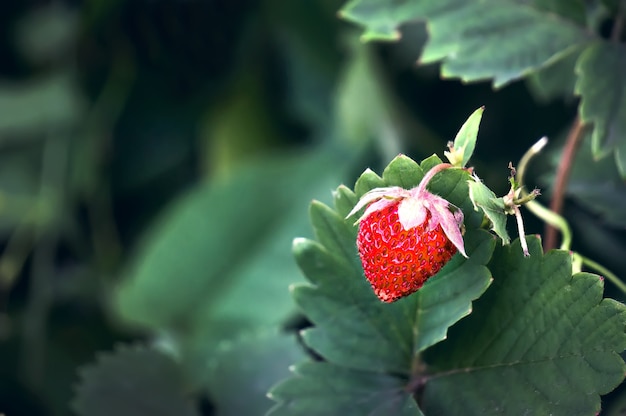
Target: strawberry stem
(421, 188)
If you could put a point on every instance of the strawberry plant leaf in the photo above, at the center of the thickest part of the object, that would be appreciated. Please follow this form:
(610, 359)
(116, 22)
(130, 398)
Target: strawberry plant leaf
(328, 389)
(556, 80)
(368, 180)
(222, 246)
(355, 332)
(248, 367)
(384, 337)
(430, 162)
(573, 10)
(491, 39)
(403, 171)
(602, 87)
(465, 140)
(543, 341)
(132, 381)
(493, 207)
(345, 200)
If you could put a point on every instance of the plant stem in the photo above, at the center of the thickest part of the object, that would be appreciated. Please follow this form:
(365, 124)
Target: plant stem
(562, 177)
(429, 175)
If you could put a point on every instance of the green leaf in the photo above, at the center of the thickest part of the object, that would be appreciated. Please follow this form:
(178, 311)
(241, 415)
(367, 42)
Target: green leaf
(132, 381)
(218, 261)
(326, 389)
(493, 207)
(368, 180)
(430, 162)
(345, 200)
(540, 341)
(380, 18)
(465, 140)
(245, 369)
(570, 9)
(602, 87)
(353, 329)
(359, 119)
(491, 39)
(403, 171)
(556, 80)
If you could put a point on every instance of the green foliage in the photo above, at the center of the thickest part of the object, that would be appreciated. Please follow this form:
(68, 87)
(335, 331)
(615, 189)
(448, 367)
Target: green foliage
(499, 40)
(555, 80)
(506, 40)
(353, 329)
(152, 181)
(132, 381)
(602, 88)
(264, 358)
(540, 341)
(573, 10)
(319, 389)
(51, 102)
(213, 252)
(465, 140)
(493, 207)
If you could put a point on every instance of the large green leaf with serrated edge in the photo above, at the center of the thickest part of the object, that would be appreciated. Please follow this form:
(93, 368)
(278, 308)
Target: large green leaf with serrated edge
(323, 389)
(132, 381)
(540, 341)
(353, 328)
(246, 368)
(602, 87)
(490, 39)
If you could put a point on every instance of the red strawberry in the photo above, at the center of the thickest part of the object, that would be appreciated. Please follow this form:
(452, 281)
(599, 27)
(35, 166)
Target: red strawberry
(406, 236)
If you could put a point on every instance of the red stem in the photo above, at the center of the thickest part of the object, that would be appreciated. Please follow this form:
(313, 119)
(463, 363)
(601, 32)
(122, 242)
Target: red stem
(562, 177)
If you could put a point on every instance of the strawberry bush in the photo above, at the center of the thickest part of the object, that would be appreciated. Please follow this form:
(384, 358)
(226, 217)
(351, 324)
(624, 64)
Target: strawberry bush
(332, 207)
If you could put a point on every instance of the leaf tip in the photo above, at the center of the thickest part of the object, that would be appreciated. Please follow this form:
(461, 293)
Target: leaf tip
(297, 242)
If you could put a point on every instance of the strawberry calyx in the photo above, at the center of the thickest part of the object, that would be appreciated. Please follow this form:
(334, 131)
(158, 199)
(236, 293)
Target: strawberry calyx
(416, 207)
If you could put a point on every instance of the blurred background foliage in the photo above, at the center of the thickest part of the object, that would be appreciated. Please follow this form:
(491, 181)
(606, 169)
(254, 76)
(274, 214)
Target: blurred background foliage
(157, 157)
